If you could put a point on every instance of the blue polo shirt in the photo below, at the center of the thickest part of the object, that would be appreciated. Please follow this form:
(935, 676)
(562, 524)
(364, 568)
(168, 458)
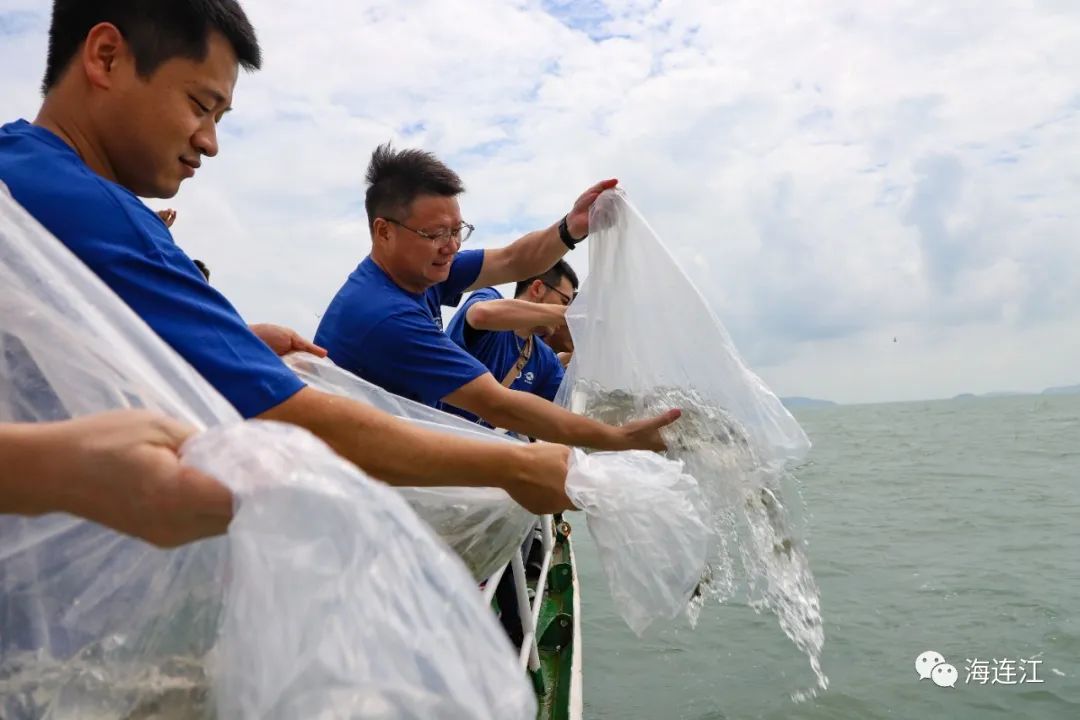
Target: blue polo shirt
(499, 350)
(130, 249)
(394, 338)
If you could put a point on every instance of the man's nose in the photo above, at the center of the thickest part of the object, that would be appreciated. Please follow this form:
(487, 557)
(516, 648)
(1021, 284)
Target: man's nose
(205, 139)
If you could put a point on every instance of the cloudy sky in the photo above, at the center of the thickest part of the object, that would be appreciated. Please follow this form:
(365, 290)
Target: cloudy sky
(831, 174)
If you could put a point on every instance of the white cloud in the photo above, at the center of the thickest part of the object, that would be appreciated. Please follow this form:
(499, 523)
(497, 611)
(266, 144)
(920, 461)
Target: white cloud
(832, 174)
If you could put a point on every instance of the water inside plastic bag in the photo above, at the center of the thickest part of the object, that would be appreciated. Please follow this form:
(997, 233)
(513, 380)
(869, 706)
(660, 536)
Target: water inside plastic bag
(635, 357)
(483, 525)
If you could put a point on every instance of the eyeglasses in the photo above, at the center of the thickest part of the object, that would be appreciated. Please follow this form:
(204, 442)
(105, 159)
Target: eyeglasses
(560, 293)
(441, 238)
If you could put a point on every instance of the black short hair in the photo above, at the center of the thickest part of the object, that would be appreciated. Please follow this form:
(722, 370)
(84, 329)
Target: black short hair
(203, 269)
(156, 30)
(557, 272)
(397, 177)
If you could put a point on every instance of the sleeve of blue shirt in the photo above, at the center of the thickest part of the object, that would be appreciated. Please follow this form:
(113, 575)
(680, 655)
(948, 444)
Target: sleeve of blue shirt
(554, 376)
(461, 331)
(203, 327)
(164, 288)
(463, 273)
(407, 354)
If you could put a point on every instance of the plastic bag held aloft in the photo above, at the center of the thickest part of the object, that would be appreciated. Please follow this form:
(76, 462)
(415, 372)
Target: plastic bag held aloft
(644, 515)
(667, 340)
(485, 526)
(640, 353)
(328, 598)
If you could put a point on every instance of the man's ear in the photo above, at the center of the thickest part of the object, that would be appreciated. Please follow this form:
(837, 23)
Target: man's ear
(102, 53)
(380, 231)
(536, 289)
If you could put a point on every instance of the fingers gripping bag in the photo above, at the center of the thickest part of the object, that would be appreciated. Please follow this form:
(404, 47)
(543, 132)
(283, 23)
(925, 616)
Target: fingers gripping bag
(328, 597)
(639, 353)
(484, 526)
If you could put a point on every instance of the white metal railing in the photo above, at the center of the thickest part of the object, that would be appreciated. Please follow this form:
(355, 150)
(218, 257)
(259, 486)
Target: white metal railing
(529, 612)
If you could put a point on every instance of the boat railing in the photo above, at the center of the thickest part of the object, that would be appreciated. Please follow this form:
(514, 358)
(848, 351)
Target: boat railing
(528, 609)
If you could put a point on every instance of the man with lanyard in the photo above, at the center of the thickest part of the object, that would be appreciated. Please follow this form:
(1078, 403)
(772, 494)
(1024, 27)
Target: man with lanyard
(385, 323)
(506, 335)
(134, 91)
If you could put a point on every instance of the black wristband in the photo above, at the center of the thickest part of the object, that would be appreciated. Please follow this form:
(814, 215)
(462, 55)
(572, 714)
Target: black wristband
(564, 235)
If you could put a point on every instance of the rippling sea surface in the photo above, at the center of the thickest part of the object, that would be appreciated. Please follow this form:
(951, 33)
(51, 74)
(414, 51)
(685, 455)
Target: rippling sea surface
(948, 526)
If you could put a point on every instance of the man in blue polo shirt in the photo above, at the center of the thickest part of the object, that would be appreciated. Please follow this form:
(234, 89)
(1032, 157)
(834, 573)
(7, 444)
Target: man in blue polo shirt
(133, 94)
(385, 323)
(507, 335)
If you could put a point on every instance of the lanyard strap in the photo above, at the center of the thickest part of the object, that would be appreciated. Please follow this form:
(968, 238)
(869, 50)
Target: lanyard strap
(523, 359)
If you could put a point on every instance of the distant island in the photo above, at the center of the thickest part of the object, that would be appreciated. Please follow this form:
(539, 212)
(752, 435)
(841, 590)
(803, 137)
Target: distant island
(1062, 390)
(805, 402)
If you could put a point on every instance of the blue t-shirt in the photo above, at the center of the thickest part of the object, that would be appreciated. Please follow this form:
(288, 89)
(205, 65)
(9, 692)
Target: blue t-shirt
(394, 338)
(130, 249)
(499, 350)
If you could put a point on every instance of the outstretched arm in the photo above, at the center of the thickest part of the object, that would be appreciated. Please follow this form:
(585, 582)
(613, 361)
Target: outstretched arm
(536, 417)
(119, 469)
(400, 453)
(516, 315)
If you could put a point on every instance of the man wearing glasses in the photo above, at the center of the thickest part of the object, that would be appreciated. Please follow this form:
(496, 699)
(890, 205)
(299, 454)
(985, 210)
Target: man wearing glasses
(385, 323)
(509, 336)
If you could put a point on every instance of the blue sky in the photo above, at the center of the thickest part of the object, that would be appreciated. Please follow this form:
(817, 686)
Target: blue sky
(831, 174)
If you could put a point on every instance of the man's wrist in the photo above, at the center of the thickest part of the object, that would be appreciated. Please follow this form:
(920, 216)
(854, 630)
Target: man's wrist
(607, 437)
(519, 472)
(556, 312)
(566, 236)
(37, 467)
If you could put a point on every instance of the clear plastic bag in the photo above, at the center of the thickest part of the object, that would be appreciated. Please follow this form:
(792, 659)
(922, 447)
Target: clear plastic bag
(483, 525)
(329, 597)
(644, 514)
(371, 615)
(639, 353)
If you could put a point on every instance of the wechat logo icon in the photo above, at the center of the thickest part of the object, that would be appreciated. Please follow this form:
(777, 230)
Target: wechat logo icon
(931, 665)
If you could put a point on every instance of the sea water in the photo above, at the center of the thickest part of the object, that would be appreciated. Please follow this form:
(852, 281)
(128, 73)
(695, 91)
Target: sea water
(949, 526)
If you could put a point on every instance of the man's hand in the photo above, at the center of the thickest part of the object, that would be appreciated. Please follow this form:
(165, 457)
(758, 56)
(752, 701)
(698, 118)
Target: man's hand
(547, 330)
(121, 469)
(564, 359)
(645, 434)
(561, 341)
(542, 489)
(553, 325)
(167, 216)
(577, 220)
(283, 341)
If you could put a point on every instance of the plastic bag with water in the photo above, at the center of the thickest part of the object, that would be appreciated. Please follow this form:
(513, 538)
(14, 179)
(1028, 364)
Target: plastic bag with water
(328, 598)
(644, 514)
(483, 525)
(634, 359)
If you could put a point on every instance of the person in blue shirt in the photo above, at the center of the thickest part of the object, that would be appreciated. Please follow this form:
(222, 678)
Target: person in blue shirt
(385, 323)
(509, 336)
(134, 91)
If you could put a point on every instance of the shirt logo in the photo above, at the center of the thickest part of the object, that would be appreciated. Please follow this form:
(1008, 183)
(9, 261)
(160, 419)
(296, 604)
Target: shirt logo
(529, 377)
